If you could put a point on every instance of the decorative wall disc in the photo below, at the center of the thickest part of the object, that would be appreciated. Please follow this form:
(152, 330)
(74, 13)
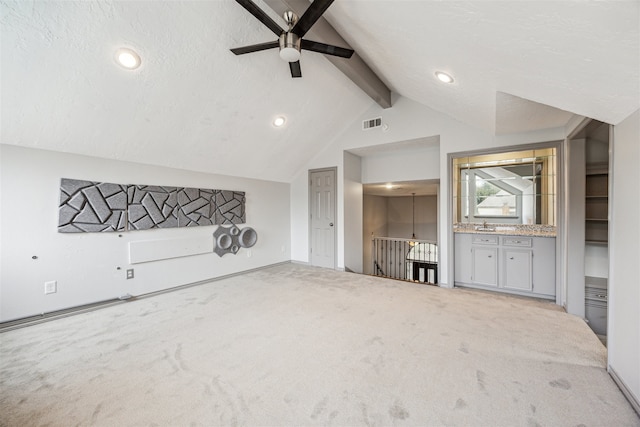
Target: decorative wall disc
(231, 239)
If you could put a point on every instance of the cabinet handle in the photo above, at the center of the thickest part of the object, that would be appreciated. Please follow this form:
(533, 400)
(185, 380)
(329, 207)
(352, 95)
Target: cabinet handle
(489, 256)
(511, 258)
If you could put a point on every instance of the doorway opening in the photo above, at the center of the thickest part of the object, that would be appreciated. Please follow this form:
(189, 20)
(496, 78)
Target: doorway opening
(589, 233)
(400, 230)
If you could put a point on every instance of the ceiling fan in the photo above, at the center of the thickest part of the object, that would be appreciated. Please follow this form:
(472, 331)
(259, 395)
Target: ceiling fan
(290, 41)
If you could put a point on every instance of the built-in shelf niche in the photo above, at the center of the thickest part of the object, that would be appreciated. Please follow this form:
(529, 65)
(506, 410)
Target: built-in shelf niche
(597, 204)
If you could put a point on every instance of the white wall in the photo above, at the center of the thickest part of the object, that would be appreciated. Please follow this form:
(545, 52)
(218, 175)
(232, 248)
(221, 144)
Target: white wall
(402, 165)
(407, 120)
(623, 337)
(85, 264)
(596, 261)
(352, 213)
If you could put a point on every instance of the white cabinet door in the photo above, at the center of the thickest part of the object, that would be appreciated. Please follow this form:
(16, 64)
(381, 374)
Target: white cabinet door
(544, 266)
(462, 258)
(517, 269)
(485, 266)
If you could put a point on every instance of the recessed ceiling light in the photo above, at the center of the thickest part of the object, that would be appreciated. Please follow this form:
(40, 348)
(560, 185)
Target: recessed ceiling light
(444, 77)
(127, 58)
(278, 121)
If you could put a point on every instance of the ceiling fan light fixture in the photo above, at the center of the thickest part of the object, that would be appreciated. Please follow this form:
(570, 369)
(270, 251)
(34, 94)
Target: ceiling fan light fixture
(291, 41)
(128, 58)
(290, 54)
(444, 77)
(289, 47)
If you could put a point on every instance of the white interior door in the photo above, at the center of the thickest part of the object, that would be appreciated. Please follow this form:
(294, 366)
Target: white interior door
(322, 193)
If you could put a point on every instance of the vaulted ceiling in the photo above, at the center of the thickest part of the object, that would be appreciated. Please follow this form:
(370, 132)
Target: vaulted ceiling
(518, 66)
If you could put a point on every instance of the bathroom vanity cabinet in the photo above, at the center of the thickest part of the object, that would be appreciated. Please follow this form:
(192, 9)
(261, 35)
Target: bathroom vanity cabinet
(523, 265)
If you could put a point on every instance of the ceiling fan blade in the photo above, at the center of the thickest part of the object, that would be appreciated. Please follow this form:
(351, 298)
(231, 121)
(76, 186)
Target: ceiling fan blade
(254, 48)
(253, 9)
(295, 69)
(310, 16)
(326, 48)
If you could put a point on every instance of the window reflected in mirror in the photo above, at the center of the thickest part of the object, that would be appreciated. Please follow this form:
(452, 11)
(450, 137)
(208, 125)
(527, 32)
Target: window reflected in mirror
(508, 188)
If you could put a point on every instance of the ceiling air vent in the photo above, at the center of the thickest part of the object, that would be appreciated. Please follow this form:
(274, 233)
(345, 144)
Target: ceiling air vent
(372, 123)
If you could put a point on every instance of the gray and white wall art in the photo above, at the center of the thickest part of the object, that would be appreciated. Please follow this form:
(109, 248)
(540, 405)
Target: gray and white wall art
(91, 206)
(101, 207)
(229, 240)
(168, 207)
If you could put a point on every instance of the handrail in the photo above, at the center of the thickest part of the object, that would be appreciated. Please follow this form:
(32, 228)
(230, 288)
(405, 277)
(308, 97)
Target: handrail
(405, 259)
(404, 240)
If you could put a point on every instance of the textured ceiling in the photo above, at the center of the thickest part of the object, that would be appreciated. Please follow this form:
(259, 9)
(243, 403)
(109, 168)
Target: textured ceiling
(578, 56)
(516, 115)
(193, 104)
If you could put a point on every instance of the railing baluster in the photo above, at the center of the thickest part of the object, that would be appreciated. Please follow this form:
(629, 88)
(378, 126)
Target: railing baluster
(396, 258)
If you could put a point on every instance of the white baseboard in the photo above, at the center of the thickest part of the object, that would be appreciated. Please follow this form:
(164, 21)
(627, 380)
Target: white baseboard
(633, 400)
(45, 317)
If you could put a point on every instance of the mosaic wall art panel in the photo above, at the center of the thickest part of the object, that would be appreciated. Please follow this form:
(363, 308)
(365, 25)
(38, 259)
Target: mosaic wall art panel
(144, 207)
(91, 206)
(167, 207)
(229, 207)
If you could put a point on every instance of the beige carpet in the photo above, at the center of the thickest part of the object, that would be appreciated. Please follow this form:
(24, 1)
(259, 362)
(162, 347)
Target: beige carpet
(296, 345)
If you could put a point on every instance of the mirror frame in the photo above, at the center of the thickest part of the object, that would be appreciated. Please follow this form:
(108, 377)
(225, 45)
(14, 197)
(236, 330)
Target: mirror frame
(542, 201)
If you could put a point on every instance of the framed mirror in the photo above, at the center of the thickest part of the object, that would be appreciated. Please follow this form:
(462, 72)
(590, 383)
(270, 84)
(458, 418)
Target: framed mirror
(515, 187)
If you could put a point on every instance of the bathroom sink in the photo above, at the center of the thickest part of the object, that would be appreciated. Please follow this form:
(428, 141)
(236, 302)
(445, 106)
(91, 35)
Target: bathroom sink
(485, 229)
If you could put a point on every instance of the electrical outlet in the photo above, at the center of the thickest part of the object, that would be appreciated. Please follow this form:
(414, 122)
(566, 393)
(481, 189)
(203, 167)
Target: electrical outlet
(50, 287)
(130, 273)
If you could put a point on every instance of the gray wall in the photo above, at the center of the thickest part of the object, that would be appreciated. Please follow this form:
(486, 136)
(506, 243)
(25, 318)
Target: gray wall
(575, 227)
(623, 336)
(374, 221)
(400, 217)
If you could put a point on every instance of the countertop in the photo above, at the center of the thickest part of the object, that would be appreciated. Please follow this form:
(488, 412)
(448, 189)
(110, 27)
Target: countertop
(507, 229)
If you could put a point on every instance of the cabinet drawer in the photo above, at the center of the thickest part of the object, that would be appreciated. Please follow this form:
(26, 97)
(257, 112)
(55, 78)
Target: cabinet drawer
(521, 242)
(485, 240)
